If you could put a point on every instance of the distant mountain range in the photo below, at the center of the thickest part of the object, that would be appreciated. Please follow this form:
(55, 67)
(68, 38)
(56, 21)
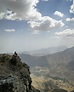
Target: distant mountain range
(51, 59)
(58, 75)
(45, 51)
(58, 64)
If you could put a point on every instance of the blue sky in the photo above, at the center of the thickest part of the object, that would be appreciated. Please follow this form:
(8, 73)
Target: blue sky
(34, 24)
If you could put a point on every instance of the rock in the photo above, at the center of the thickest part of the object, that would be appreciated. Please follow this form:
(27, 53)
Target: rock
(59, 90)
(6, 84)
(14, 75)
(72, 91)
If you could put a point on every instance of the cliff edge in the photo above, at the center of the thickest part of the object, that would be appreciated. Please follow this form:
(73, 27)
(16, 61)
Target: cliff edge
(14, 75)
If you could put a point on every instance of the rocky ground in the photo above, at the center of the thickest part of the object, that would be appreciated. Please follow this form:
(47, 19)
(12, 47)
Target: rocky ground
(14, 75)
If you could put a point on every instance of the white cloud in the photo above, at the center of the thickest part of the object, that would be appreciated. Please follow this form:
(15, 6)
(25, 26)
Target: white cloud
(7, 15)
(70, 19)
(58, 14)
(46, 23)
(23, 9)
(9, 30)
(1, 15)
(72, 8)
(26, 10)
(66, 33)
(45, 0)
(68, 0)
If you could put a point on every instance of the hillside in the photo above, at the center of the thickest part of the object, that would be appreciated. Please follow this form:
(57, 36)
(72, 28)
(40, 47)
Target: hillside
(14, 75)
(47, 60)
(59, 64)
(51, 84)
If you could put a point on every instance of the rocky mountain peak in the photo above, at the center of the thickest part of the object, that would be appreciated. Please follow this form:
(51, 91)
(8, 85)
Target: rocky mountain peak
(14, 75)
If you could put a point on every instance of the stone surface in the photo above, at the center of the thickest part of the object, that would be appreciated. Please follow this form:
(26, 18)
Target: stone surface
(14, 75)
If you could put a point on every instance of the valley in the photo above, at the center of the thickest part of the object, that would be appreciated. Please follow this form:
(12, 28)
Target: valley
(54, 71)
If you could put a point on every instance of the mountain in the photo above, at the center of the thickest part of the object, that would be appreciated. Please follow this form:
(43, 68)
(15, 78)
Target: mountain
(71, 65)
(47, 60)
(46, 51)
(51, 84)
(61, 57)
(33, 61)
(59, 64)
(50, 73)
(14, 75)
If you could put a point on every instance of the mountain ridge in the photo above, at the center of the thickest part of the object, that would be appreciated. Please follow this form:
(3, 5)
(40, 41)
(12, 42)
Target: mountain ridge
(58, 64)
(45, 51)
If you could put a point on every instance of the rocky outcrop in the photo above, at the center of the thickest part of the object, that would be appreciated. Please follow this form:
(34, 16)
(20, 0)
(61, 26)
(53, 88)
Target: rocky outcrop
(59, 90)
(14, 75)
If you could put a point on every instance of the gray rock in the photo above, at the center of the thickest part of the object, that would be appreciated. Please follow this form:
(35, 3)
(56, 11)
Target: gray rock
(14, 75)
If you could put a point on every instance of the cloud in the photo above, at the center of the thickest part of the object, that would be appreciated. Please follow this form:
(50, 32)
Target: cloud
(66, 33)
(1, 15)
(9, 30)
(58, 14)
(26, 10)
(23, 9)
(70, 19)
(46, 23)
(45, 0)
(68, 0)
(72, 8)
(7, 15)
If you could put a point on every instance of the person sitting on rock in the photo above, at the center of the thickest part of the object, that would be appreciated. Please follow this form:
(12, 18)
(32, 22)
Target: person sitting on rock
(14, 58)
(15, 54)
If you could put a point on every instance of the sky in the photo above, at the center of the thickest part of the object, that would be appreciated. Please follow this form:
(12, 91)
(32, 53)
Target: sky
(27, 25)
